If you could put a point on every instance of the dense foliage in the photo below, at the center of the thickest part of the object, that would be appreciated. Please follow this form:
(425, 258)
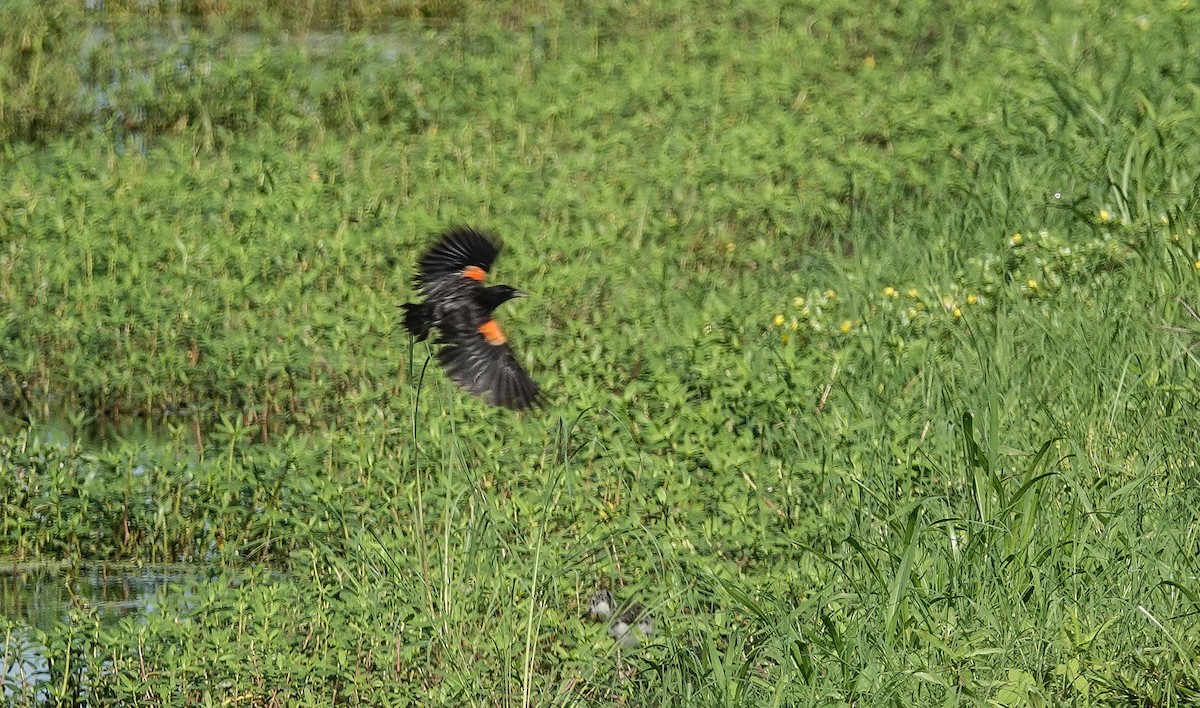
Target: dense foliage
(869, 333)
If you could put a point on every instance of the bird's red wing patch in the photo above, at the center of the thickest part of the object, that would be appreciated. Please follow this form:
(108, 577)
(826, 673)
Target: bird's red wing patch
(474, 273)
(492, 333)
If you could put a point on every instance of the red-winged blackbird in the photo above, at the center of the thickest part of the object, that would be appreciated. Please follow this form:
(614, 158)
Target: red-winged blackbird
(474, 351)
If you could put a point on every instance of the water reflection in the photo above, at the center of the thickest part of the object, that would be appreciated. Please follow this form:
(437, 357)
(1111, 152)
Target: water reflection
(24, 670)
(39, 596)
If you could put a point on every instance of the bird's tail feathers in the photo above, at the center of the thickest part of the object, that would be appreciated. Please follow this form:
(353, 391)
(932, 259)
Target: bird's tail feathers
(418, 319)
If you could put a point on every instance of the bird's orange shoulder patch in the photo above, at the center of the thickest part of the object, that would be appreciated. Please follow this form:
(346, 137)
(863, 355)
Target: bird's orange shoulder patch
(492, 333)
(474, 273)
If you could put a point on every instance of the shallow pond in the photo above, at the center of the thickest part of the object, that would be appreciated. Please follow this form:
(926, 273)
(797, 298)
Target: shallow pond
(40, 595)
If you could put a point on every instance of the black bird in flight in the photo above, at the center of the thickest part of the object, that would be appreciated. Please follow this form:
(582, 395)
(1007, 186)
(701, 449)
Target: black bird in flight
(473, 349)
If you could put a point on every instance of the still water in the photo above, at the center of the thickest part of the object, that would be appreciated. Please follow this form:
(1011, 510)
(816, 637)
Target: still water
(40, 596)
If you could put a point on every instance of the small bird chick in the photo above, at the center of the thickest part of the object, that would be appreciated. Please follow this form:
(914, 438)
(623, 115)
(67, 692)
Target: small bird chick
(631, 623)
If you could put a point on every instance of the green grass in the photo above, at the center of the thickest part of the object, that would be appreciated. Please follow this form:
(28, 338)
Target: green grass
(869, 336)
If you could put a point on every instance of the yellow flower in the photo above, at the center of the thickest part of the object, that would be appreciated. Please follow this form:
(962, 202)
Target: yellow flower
(912, 292)
(957, 312)
(1016, 239)
(794, 324)
(1031, 284)
(830, 294)
(1196, 265)
(779, 320)
(1104, 215)
(972, 299)
(729, 247)
(890, 292)
(798, 302)
(869, 62)
(847, 325)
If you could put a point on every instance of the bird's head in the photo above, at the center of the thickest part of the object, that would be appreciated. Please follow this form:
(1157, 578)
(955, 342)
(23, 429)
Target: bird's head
(601, 605)
(496, 295)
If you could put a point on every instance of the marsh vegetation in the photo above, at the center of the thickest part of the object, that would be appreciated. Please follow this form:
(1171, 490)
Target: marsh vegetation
(868, 335)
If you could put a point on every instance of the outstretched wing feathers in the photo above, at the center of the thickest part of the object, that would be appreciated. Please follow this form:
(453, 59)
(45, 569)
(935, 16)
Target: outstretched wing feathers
(456, 250)
(487, 370)
(472, 348)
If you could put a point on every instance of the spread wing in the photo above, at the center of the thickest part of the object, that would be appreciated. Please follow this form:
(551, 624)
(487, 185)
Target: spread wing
(476, 356)
(460, 252)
